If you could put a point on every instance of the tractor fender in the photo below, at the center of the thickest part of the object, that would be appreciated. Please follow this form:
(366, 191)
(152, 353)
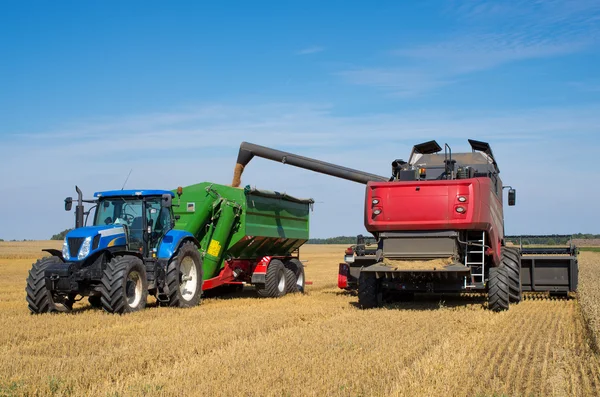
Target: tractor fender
(54, 252)
(172, 241)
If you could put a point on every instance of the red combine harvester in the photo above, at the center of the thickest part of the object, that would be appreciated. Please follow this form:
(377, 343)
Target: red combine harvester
(439, 227)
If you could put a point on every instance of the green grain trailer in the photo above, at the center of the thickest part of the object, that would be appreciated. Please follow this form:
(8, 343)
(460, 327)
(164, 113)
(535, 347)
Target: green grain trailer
(246, 235)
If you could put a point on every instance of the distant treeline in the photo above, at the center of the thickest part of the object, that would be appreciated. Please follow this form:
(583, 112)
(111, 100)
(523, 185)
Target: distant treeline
(333, 240)
(548, 240)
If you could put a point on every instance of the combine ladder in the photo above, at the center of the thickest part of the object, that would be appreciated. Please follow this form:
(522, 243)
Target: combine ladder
(475, 258)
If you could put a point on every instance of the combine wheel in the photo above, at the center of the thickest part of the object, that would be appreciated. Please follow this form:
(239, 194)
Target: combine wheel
(498, 289)
(39, 299)
(294, 271)
(511, 260)
(275, 281)
(124, 285)
(368, 290)
(184, 277)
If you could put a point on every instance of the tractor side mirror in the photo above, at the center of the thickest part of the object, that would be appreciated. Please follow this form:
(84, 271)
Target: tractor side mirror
(167, 201)
(68, 203)
(512, 197)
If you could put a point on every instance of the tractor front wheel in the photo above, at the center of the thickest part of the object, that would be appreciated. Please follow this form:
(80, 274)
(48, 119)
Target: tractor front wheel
(39, 299)
(184, 277)
(124, 285)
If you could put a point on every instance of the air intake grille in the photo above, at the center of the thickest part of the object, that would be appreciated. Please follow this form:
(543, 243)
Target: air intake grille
(74, 245)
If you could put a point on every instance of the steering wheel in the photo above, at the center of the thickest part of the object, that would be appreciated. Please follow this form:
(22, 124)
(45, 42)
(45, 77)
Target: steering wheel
(128, 217)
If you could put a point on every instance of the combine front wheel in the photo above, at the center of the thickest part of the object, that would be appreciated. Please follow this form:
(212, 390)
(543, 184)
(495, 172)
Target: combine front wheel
(511, 260)
(498, 289)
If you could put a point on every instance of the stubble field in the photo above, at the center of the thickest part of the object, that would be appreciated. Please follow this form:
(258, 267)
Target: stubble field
(315, 344)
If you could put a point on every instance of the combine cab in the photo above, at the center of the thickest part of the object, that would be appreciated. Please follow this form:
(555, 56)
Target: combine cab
(439, 224)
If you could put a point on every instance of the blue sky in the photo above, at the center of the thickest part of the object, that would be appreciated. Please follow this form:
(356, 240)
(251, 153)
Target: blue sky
(90, 90)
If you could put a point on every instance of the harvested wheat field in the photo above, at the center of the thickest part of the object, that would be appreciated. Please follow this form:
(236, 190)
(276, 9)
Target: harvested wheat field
(316, 344)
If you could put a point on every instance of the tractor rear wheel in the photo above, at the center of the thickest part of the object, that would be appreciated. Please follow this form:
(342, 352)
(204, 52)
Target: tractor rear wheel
(295, 274)
(511, 260)
(275, 281)
(498, 289)
(368, 290)
(39, 299)
(124, 285)
(184, 277)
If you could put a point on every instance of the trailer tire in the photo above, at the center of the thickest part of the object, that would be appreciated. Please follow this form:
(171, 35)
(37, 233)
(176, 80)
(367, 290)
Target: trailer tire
(183, 269)
(275, 281)
(368, 290)
(297, 282)
(498, 289)
(511, 260)
(39, 299)
(124, 285)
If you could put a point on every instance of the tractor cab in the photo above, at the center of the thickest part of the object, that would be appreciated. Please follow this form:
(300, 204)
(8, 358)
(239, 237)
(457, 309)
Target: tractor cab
(124, 220)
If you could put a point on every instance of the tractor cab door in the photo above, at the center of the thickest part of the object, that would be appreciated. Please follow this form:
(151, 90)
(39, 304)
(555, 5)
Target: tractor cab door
(159, 222)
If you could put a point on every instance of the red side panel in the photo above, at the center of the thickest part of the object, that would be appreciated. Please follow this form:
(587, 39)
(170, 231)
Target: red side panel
(343, 276)
(465, 204)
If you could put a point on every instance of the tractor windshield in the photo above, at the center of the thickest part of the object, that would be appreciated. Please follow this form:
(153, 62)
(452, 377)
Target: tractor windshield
(123, 211)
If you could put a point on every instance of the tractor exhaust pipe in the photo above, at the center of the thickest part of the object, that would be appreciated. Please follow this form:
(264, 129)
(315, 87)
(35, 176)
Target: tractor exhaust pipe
(249, 150)
(79, 209)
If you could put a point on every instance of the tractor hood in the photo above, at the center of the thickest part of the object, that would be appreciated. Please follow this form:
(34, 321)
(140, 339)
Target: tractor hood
(80, 243)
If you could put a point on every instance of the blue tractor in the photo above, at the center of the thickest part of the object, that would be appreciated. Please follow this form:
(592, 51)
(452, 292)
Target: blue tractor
(131, 250)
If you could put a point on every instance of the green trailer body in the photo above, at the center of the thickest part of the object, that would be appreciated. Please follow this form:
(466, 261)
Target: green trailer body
(241, 224)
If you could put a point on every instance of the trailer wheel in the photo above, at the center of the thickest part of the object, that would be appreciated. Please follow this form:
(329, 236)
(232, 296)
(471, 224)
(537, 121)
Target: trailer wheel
(511, 260)
(275, 281)
(184, 277)
(39, 299)
(296, 279)
(368, 290)
(498, 289)
(124, 285)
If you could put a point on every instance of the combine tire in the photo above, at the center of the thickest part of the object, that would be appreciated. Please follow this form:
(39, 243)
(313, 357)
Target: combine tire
(124, 285)
(368, 290)
(39, 299)
(511, 260)
(184, 277)
(294, 270)
(498, 289)
(275, 281)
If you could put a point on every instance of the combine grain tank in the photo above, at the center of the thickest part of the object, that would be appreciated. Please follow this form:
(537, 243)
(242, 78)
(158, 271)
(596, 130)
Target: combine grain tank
(440, 228)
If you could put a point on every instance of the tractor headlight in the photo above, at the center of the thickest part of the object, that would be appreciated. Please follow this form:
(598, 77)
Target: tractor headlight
(66, 250)
(85, 248)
